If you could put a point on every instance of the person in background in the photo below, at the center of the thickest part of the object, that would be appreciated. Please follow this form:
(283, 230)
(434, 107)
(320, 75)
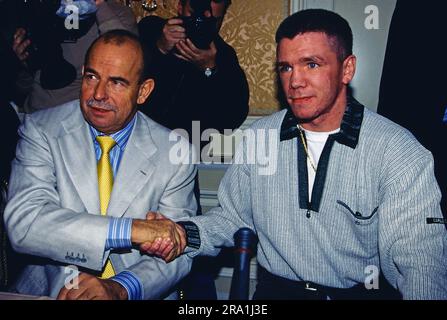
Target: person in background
(427, 104)
(107, 15)
(206, 85)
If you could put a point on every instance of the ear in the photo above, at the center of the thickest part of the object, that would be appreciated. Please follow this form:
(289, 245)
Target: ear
(145, 90)
(349, 66)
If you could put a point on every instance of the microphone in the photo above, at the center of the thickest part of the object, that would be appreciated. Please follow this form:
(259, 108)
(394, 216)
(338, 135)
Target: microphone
(245, 242)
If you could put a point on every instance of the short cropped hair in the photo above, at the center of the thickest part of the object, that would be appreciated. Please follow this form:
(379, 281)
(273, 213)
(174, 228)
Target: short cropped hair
(119, 37)
(319, 20)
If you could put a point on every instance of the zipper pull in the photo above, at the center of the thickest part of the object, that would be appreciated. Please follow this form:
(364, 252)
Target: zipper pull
(308, 214)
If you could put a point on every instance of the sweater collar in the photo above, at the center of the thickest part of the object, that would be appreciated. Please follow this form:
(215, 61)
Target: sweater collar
(349, 127)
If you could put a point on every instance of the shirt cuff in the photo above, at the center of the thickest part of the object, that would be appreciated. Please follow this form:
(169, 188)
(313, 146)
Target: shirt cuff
(131, 283)
(120, 233)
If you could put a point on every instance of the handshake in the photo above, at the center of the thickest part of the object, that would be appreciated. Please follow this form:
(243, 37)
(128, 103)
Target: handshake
(157, 235)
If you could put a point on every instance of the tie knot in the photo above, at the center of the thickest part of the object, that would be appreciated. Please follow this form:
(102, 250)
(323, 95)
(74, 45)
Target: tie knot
(106, 143)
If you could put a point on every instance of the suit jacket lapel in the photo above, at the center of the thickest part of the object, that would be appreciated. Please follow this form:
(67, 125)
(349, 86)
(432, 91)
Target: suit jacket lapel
(79, 156)
(136, 167)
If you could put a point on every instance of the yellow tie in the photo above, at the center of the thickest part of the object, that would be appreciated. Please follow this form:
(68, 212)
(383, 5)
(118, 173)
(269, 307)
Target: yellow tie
(105, 183)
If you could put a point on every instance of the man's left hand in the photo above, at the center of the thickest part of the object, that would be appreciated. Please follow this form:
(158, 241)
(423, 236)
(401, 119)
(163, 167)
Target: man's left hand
(92, 288)
(201, 58)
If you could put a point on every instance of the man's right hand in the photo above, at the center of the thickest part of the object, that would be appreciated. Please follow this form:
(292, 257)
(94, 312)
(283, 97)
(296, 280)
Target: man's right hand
(173, 32)
(159, 236)
(20, 44)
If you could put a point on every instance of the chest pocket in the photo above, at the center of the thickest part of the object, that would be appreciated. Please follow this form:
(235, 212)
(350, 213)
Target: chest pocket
(359, 218)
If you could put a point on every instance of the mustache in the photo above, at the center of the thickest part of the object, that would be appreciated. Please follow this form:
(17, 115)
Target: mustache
(92, 103)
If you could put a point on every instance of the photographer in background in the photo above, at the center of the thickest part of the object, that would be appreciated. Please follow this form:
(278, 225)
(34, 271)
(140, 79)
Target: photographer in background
(58, 88)
(197, 78)
(193, 84)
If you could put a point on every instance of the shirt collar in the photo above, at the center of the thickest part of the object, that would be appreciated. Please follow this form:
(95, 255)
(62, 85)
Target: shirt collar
(121, 137)
(349, 127)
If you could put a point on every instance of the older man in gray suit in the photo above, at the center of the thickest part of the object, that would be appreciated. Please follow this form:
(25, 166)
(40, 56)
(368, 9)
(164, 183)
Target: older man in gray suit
(84, 178)
(352, 195)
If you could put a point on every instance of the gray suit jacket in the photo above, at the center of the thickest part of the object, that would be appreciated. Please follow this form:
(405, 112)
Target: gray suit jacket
(53, 209)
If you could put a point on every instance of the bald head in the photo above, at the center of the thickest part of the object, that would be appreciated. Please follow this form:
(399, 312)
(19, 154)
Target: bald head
(121, 38)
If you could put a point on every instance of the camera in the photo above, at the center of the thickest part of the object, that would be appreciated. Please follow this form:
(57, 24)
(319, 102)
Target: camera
(46, 31)
(200, 29)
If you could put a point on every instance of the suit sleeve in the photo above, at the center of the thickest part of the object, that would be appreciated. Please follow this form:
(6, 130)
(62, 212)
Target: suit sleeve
(36, 222)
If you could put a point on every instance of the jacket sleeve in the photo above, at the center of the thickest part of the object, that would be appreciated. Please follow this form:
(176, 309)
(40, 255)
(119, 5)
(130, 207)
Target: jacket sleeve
(413, 252)
(36, 222)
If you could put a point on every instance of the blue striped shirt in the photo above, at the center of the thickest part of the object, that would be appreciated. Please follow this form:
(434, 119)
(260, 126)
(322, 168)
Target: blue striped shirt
(120, 229)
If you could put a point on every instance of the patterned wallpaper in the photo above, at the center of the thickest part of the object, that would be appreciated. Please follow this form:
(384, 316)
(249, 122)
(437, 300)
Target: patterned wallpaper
(249, 27)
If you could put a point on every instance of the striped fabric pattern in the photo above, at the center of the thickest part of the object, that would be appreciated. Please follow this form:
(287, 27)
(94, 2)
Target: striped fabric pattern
(376, 199)
(121, 137)
(119, 229)
(131, 283)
